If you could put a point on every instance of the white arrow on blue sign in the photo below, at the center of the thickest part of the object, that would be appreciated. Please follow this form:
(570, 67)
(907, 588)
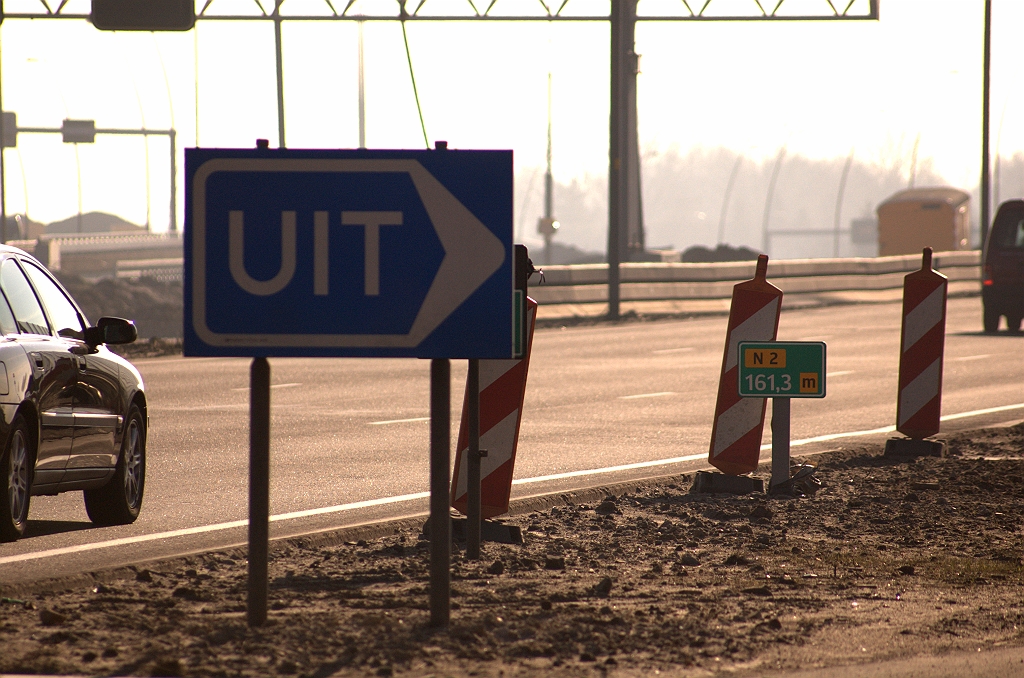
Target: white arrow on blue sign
(348, 253)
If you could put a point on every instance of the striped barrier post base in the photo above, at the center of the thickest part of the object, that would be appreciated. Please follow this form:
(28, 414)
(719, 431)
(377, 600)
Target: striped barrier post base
(739, 422)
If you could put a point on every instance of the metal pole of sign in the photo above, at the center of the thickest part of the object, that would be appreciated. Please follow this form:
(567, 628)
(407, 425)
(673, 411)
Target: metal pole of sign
(780, 441)
(473, 469)
(259, 488)
(440, 520)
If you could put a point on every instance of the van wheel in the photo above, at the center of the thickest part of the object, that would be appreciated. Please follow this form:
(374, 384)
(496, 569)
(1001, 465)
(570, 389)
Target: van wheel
(1013, 323)
(119, 501)
(15, 481)
(990, 319)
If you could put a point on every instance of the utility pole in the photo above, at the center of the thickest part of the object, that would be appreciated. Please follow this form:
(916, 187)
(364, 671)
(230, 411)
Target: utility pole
(986, 61)
(362, 92)
(548, 225)
(623, 79)
(280, 73)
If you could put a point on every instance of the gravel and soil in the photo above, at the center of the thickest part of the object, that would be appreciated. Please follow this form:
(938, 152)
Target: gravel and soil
(890, 558)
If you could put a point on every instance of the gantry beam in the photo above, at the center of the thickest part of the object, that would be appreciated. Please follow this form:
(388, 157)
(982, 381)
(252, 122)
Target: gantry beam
(485, 10)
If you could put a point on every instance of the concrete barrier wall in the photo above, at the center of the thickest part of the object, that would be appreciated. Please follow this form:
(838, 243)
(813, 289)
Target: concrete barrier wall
(588, 283)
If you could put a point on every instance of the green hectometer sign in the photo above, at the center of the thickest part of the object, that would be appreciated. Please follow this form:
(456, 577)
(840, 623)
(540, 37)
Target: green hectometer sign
(782, 369)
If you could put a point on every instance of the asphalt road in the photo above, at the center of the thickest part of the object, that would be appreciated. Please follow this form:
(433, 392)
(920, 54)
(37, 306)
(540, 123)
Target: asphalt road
(604, 403)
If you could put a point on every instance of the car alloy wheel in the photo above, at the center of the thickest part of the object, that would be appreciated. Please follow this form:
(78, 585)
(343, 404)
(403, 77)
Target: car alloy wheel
(133, 462)
(17, 477)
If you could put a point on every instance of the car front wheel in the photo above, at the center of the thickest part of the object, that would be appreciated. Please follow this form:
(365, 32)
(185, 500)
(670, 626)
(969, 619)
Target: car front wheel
(119, 501)
(16, 473)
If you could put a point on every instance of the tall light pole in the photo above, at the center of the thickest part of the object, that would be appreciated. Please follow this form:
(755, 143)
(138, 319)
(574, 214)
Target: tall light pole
(3, 191)
(548, 225)
(985, 70)
(362, 91)
(280, 73)
(623, 69)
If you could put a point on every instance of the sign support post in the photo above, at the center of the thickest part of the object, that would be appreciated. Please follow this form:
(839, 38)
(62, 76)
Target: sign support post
(780, 441)
(473, 509)
(259, 488)
(440, 522)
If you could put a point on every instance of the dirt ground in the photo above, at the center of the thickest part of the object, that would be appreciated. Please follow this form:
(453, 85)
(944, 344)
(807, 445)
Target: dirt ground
(890, 558)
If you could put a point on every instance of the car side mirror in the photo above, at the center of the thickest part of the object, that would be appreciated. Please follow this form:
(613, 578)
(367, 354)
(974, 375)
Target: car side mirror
(111, 331)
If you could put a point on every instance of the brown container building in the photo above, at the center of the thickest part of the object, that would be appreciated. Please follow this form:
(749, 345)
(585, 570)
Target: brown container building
(916, 218)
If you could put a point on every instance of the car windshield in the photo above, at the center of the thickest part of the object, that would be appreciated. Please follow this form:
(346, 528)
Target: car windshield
(1009, 234)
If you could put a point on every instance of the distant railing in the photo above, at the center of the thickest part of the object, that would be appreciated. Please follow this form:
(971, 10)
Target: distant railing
(588, 283)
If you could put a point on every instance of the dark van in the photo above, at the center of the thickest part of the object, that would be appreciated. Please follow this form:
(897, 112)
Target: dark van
(1002, 289)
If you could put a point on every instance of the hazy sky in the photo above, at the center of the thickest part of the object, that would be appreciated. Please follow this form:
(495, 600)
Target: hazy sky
(821, 89)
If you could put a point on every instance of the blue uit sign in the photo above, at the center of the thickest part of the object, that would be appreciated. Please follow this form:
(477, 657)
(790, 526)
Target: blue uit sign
(348, 253)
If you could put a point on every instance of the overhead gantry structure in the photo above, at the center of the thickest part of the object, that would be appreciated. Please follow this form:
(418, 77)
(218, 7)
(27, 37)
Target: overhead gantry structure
(625, 211)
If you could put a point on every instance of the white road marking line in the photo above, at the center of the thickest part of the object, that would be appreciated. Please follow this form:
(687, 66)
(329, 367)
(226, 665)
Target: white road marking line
(246, 388)
(661, 351)
(659, 394)
(840, 373)
(202, 529)
(81, 548)
(398, 421)
(970, 357)
(987, 410)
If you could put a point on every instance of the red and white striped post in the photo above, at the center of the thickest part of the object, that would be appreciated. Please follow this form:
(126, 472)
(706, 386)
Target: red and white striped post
(502, 391)
(921, 348)
(739, 422)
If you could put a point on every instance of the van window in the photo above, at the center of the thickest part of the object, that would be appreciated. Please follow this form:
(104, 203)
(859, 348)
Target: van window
(1010, 235)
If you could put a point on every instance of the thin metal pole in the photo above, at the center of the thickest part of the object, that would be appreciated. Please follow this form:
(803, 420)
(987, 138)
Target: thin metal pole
(780, 441)
(174, 182)
(362, 92)
(768, 200)
(725, 198)
(259, 488)
(473, 469)
(986, 70)
(621, 47)
(839, 204)
(280, 74)
(78, 164)
(440, 521)
(3, 183)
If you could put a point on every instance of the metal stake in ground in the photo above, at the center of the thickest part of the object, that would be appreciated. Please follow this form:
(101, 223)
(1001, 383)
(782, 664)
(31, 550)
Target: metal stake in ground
(440, 524)
(473, 513)
(259, 488)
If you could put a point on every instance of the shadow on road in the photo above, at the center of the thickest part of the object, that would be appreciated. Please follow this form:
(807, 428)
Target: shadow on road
(43, 528)
(981, 333)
